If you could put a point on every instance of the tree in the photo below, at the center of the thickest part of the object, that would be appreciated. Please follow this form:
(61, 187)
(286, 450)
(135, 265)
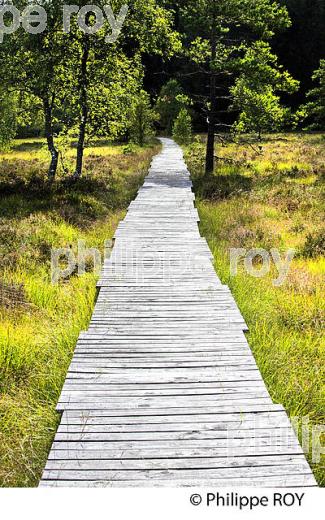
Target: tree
(8, 119)
(261, 110)
(36, 65)
(111, 95)
(316, 107)
(170, 102)
(255, 93)
(182, 129)
(301, 47)
(69, 73)
(147, 28)
(142, 118)
(217, 31)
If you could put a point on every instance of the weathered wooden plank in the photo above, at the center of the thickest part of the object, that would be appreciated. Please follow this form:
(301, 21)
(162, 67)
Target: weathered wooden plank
(87, 399)
(92, 451)
(134, 390)
(70, 441)
(170, 376)
(219, 429)
(175, 474)
(287, 481)
(61, 459)
(105, 366)
(178, 350)
(93, 433)
(242, 407)
(222, 420)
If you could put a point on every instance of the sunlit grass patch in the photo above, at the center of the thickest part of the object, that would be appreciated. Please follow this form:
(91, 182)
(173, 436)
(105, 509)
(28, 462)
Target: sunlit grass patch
(35, 149)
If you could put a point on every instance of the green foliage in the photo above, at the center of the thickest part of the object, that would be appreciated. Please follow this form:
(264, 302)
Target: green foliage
(255, 93)
(169, 104)
(208, 22)
(30, 117)
(316, 106)
(219, 34)
(261, 111)
(315, 245)
(97, 87)
(141, 119)
(182, 128)
(8, 119)
(109, 98)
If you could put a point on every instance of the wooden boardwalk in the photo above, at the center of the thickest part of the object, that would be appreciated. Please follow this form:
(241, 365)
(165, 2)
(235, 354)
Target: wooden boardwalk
(163, 389)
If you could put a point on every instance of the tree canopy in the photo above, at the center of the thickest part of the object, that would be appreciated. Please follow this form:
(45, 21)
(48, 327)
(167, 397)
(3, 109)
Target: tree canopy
(239, 65)
(316, 106)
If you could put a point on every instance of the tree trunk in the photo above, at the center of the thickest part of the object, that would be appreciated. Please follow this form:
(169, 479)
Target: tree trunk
(209, 160)
(47, 107)
(83, 89)
(141, 128)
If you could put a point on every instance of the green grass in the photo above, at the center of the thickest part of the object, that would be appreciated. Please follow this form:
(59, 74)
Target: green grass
(40, 323)
(274, 198)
